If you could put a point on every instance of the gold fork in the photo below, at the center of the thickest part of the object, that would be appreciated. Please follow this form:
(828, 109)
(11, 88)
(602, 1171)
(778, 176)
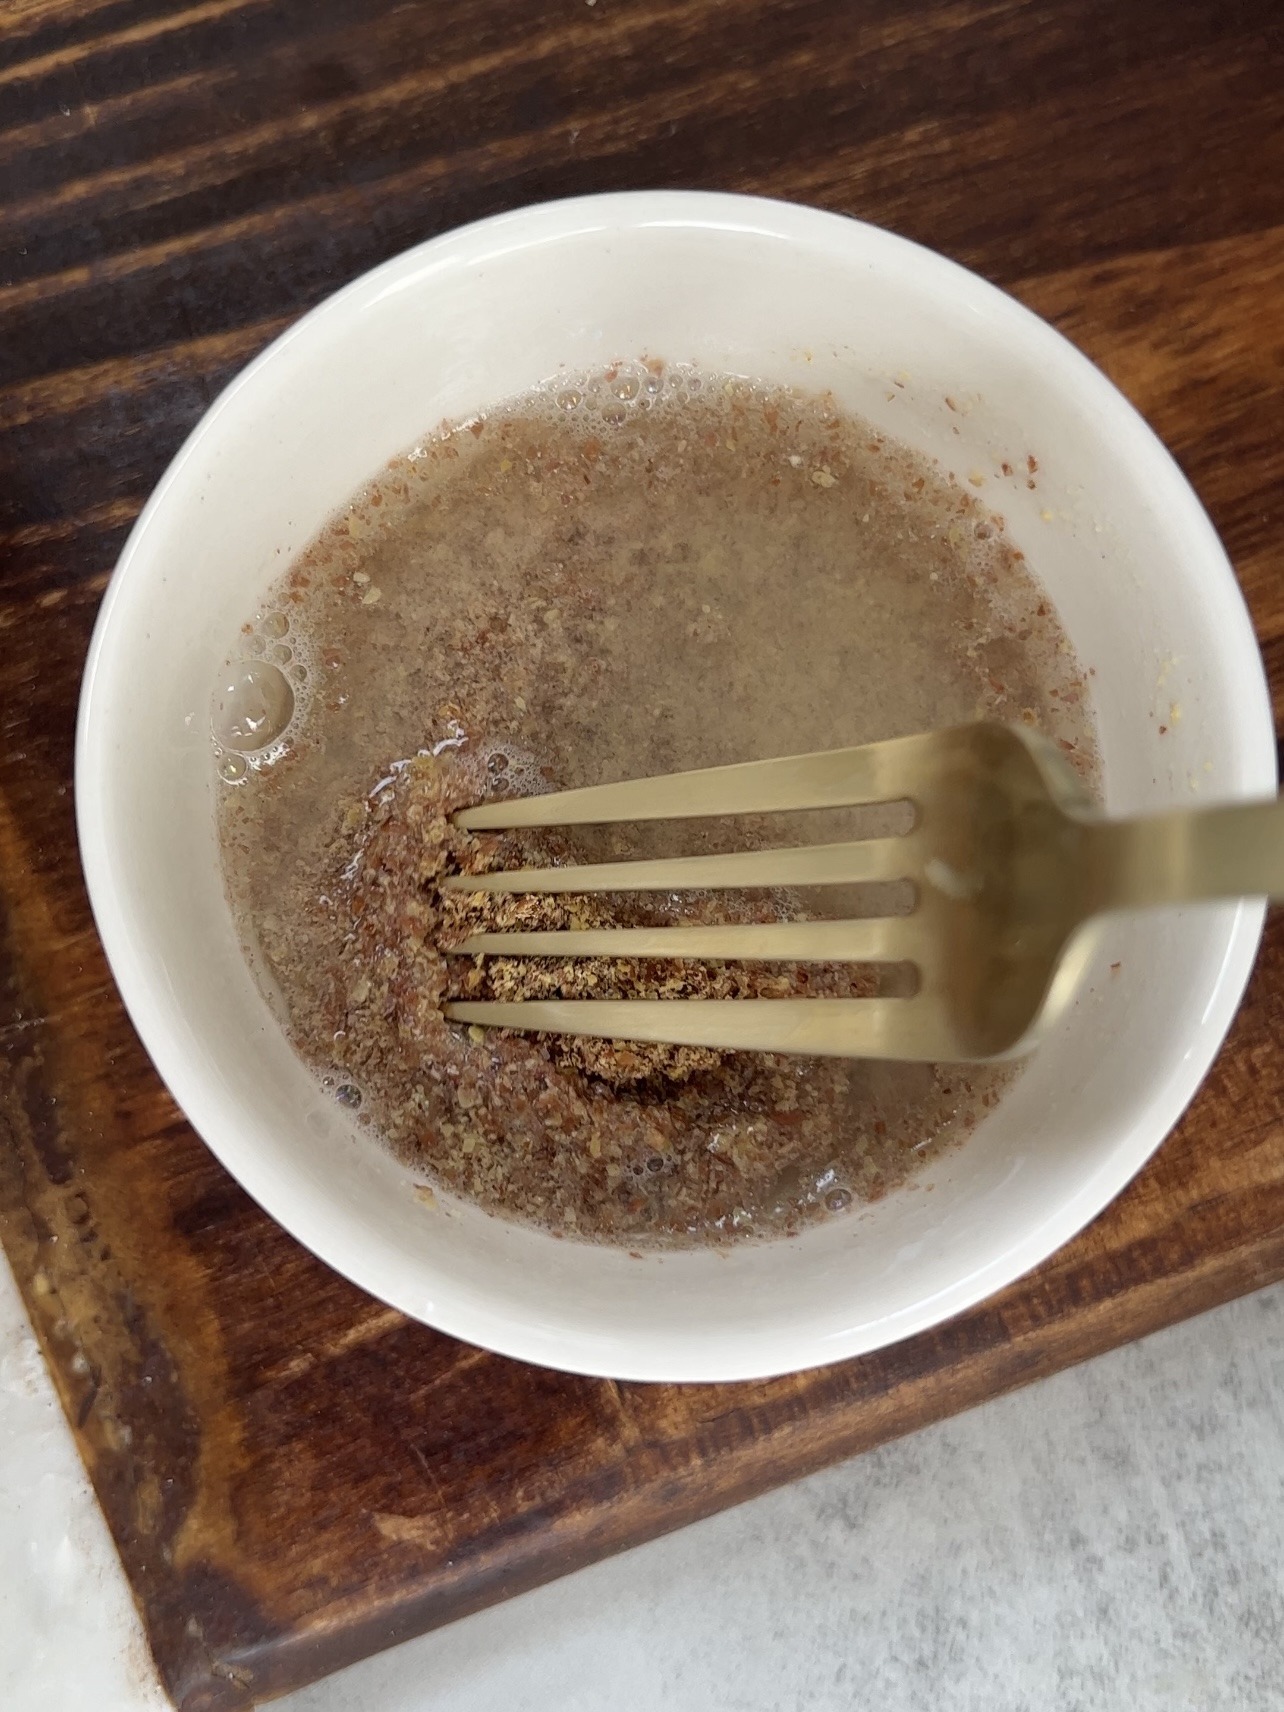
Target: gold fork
(1008, 863)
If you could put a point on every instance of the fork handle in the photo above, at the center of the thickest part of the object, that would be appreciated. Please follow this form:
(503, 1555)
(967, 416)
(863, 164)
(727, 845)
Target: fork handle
(1236, 851)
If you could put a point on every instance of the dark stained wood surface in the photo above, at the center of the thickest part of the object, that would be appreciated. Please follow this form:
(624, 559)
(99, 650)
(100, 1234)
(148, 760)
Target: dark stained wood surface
(294, 1474)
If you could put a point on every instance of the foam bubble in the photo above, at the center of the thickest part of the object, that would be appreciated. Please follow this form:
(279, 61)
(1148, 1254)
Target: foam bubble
(262, 696)
(253, 706)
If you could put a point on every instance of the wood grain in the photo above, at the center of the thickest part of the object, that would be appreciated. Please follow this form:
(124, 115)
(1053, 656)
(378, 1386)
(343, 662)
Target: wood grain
(294, 1474)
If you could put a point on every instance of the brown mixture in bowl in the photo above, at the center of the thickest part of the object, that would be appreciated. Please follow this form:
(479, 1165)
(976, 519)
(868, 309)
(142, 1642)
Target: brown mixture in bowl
(650, 570)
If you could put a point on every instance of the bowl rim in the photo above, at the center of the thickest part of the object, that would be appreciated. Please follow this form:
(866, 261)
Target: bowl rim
(311, 1216)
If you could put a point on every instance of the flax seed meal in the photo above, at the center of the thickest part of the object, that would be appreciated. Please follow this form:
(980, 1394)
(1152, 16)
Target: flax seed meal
(634, 572)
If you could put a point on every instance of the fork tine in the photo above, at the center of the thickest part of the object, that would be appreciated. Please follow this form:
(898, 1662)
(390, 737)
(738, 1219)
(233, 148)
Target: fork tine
(881, 939)
(807, 865)
(829, 778)
(830, 1028)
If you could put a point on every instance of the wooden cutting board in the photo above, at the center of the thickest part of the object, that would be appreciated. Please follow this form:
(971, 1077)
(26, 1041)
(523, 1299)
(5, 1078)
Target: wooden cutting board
(294, 1474)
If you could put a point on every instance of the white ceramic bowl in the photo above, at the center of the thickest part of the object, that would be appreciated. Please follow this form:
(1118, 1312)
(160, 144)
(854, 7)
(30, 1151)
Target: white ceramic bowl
(791, 295)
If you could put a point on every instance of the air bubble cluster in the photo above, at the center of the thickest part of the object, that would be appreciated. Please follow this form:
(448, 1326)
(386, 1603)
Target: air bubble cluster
(611, 397)
(512, 772)
(259, 697)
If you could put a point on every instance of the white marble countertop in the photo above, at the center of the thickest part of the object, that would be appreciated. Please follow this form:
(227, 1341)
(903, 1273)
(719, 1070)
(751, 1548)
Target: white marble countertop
(1112, 1537)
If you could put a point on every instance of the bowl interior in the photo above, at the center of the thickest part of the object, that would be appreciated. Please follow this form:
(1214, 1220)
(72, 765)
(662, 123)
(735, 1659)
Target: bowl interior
(933, 356)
